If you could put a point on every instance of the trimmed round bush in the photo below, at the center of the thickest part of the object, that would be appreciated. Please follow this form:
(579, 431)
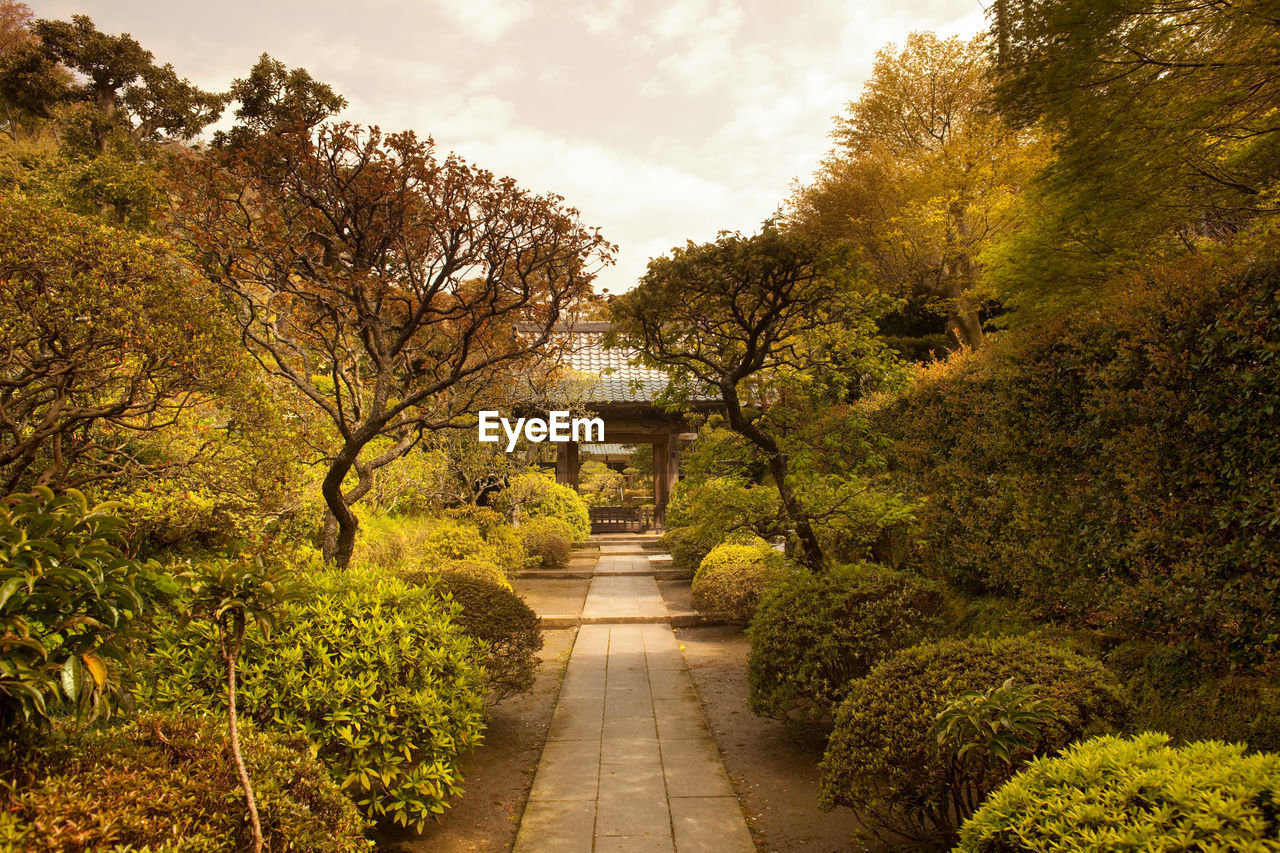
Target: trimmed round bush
(687, 547)
(501, 620)
(883, 761)
(731, 579)
(547, 540)
(166, 782)
(372, 669)
(477, 569)
(813, 634)
(535, 494)
(1139, 793)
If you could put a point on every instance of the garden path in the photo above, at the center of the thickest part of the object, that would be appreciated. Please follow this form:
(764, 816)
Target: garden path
(629, 763)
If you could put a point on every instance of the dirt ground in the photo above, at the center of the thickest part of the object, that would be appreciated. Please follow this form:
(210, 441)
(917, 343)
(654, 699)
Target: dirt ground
(500, 772)
(774, 768)
(549, 596)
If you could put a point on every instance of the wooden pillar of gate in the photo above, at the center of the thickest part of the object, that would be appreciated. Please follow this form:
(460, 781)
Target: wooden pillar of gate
(567, 463)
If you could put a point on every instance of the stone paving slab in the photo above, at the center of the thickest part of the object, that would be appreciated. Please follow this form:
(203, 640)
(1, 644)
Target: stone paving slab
(624, 596)
(629, 763)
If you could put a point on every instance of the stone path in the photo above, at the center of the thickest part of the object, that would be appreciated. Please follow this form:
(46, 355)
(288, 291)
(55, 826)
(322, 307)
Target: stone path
(629, 763)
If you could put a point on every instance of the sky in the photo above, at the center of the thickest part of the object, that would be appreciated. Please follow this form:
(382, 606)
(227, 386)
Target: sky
(661, 121)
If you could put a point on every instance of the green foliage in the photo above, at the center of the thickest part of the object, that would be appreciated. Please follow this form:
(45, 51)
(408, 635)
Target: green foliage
(501, 620)
(731, 579)
(163, 783)
(535, 494)
(814, 634)
(1137, 793)
(371, 669)
(701, 514)
(1179, 690)
(547, 540)
(883, 759)
(1003, 724)
(67, 596)
(1116, 471)
(394, 543)
(720, 452)
(1188, 164)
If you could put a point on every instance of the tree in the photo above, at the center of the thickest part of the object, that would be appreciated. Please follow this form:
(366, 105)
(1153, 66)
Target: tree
(276, 99)
(107, 335)
(393, 289)
(733, 315)
(1163, 115)
(121, 89)
(924, 176)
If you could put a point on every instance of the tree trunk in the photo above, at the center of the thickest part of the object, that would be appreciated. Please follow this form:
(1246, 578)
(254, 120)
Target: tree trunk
(345, 542)
(810, 549)
(964, 325)
(231, 655)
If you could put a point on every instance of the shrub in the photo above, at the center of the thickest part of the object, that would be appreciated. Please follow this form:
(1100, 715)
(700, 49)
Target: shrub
(1136, 793)
(499, 618)
(1115, 469)
(67, 594)
(548, 540)
(534, 494)
(371, 668)
(477, 569)
(883, 760)
(163, 782)
(732, 578)
(702, 514)
(401, 543)
(508, 549)
(815, 633)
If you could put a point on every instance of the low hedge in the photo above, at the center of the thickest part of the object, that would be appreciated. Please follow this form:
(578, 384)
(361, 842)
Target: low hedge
(372, 669)
(1136, 793)
(815, 633)
(505, 625)
(731, 579)
(166, 783)
(547, 541)
(883, 761)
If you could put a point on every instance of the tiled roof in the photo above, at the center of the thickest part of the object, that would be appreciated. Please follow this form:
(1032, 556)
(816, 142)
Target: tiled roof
(609, 373)
(606, 449)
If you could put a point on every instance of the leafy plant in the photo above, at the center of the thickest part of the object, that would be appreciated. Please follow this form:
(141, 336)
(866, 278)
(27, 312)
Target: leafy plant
(68, 595)
(1004, 724)
(1137, 793)
(374, 671)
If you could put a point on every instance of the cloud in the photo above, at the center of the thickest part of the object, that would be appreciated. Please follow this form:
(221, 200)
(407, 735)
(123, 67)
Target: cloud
(486, 21)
